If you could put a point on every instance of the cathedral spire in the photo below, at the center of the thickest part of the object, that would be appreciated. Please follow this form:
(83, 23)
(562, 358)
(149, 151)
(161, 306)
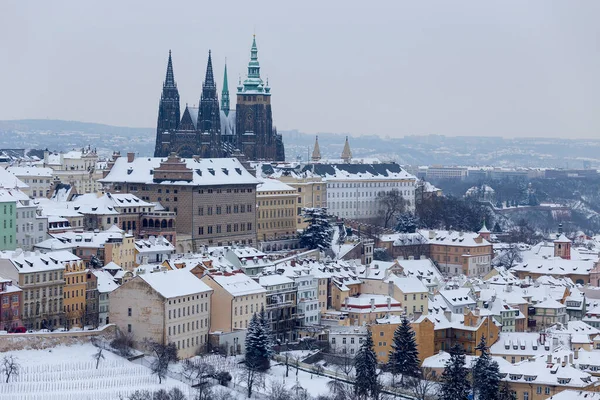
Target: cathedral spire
(346, 153)
(253, 83)
(209, 80)
(316, 154)
(170, 78)
(225, 93)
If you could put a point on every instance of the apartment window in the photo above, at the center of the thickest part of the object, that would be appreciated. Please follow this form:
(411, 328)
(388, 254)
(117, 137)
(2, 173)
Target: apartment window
(201, 230)
(129, 328)
(200, 210)
(525, 395)
(129, 313)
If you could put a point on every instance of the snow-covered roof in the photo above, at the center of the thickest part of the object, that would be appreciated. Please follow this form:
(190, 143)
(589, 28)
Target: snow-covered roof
(576, 395)
(454, 238)
(9, 180)
(175, 283)
(440, 359)
(81, 239)
(367, 303)
(549, 303)
(27, 262)
(274, 280)
(32, 171)
(10, 195)
(407, 285)
(105, 281)
(457, 297)
(526, 344)
(273, 185)
(238, 284)
(555, 266)
(153, 245)
(206, 171)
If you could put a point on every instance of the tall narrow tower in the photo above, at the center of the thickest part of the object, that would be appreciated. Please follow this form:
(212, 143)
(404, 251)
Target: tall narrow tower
(168, 113)
(316, 154)
(209, 120)
(225, 107)
(256, 136)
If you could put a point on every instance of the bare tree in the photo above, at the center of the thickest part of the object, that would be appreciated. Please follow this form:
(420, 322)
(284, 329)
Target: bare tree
(10, 367)
(390, 205)
(509, 257)
(253, 376)
(424, 388)
(98, 356)
(164, 355)
(198, 369)
(344, 362)
(278, 391)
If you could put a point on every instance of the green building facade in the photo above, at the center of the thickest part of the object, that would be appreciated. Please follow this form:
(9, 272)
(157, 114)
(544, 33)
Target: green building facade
(8, 230)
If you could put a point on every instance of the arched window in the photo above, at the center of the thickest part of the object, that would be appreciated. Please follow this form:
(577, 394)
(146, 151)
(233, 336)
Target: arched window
(144, 223)
(163, 223)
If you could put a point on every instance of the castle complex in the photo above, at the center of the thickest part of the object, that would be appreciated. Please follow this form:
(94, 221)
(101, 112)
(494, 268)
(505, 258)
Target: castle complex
(214, 130)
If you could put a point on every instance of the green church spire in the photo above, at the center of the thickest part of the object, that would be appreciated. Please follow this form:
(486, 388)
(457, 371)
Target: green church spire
(253, 83)
(225, 93)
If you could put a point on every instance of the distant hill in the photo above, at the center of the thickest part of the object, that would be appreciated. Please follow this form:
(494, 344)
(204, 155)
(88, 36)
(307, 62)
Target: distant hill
(409, 150)
(65, 135)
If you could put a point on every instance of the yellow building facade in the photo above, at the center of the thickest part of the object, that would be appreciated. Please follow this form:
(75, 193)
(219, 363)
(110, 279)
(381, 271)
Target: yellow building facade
(276, 210)
(74, 292)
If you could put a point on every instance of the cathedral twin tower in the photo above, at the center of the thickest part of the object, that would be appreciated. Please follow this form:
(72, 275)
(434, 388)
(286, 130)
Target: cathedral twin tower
(214, 130)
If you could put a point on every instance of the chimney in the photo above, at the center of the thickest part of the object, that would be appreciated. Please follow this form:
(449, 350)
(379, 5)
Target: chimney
(576, 354)
(448, 315)
(130, 157)
(570, 358)
(549, 359)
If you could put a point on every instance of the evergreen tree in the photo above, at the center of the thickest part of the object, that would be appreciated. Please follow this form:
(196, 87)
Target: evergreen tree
(365, 364)
(407, 223)
(404, 356)
(265, 323)
(258, 346)
(455, 385)
(486, 374)
(506, 393)
(319, 232)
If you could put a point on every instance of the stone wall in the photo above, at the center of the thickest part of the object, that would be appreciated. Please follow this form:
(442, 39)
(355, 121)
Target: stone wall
(39, 341)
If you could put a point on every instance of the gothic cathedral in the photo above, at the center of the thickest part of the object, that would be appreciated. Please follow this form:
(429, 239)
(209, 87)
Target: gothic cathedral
(213, 131)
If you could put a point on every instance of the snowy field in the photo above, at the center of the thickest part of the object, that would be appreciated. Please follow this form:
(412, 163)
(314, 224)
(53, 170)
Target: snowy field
(69, 373)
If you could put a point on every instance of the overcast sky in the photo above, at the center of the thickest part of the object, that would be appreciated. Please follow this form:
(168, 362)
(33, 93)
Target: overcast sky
(508, 68)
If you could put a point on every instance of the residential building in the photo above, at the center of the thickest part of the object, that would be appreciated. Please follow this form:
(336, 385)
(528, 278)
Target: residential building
(214, 199)
(38, 179)
(11, 305)
(238, 297)
(75, 290)
(346, 340)
(457, 252)
(78, 168)
(308, 286)
(166, 307)
(275, 210)
(548, 313)
(365, 308)
(281, 306)
(383, 337)
(30, 227)
(95, 248)
(91, 314)
(8, 220)
(105, 284)
(42, 279)
(153, 250)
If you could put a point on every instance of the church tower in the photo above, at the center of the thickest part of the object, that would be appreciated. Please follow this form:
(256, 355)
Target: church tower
(316, 154)
(346, 153)
(256, 136)
(168, 113)
(209, 120)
